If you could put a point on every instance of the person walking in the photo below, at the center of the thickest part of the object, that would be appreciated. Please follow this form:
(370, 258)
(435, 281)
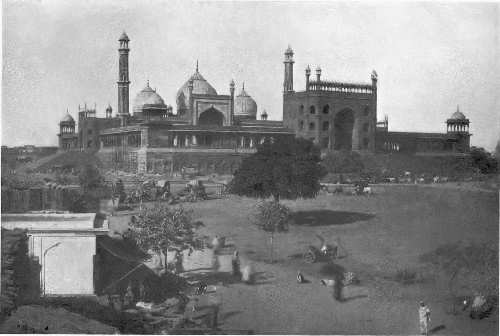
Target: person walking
(235, 262)
(424, 314)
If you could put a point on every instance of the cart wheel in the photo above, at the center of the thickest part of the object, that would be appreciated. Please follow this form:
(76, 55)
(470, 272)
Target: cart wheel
(309, 257)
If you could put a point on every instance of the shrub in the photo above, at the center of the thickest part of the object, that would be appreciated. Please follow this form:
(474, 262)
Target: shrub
(18, 284)
(406, 276)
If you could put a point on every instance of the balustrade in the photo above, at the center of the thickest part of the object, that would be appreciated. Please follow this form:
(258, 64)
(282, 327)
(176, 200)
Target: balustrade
(340, 87)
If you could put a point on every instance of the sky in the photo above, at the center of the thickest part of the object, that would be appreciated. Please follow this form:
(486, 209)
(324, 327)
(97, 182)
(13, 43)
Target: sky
(430, 57)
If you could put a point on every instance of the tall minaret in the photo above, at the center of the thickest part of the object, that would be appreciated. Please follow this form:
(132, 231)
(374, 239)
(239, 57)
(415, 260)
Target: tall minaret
(288, 82)
(123, 81)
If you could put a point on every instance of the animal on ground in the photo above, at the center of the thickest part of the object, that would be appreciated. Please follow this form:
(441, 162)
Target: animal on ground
(300, 277)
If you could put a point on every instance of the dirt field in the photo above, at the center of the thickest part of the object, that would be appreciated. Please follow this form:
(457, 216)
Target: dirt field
(379, 234)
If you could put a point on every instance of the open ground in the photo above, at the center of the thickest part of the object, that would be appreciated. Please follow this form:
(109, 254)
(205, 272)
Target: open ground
(379, 235)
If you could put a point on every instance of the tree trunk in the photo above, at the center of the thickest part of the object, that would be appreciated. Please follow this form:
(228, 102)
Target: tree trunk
(272, 246)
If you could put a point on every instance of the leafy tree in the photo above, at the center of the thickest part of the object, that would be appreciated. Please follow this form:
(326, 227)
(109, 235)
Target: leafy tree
(286, 168)
(120, 191)
(272, 217)
(161, 228)
(90, 178)
(22, 181)
(483, 160)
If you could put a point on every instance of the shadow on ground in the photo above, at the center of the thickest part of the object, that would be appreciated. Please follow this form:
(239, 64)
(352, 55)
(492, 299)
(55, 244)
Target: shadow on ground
(225, 278)
(327, 217)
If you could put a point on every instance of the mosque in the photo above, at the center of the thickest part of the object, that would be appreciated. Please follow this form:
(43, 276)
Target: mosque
(212, 132)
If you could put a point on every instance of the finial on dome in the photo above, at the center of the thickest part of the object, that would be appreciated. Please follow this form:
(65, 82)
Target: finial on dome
(196, 65)
(458, 109)
(243, 86)
(147, 83)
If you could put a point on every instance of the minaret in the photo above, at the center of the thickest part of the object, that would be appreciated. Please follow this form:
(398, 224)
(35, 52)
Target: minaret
(308, 74)
(288, 82)
(123, 80)
(231, 90)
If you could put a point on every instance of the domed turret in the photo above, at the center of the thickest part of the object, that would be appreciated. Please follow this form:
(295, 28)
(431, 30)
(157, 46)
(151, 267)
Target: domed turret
(200, 86)
(458, 123)
(67, 119)
(244, 105)
(147, 97)
(67, 124)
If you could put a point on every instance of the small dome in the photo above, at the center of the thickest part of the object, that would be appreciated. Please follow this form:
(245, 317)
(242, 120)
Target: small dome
(458, 115)
(67, 119)
(124, 37)
(200, 86)
(244, 104)
(147, 96)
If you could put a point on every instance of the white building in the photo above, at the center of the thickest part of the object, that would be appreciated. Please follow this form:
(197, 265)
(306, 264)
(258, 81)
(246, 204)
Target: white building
(65, 246)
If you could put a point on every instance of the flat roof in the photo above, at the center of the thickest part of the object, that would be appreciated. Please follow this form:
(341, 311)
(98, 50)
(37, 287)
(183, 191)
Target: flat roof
(50, 222)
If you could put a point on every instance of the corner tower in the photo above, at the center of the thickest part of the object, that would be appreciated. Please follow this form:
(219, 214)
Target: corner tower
(288, 82)
(123, 80)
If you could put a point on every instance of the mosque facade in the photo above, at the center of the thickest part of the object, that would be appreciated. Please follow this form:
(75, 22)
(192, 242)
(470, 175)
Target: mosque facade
(212, 132)
(209, 131)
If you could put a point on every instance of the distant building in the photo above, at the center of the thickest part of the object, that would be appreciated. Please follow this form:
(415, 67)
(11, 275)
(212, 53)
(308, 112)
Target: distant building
(65, 246)
(343, 116)
(455, 141)
(211, 132)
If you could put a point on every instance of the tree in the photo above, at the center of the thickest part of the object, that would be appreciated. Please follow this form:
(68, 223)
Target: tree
(272, 217)
(161, 228)
(286, 168)
(343, 162)
(90, 178)
(483, 160)
(120, 191)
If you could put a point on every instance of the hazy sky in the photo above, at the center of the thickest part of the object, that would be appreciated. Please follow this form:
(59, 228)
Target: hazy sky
(430, 57)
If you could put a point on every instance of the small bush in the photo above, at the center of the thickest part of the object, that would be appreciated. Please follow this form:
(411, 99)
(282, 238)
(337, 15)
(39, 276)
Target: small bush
(406, 276)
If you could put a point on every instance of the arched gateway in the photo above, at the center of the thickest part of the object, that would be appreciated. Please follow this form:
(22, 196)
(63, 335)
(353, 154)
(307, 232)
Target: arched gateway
(211, 117)
(343, 126)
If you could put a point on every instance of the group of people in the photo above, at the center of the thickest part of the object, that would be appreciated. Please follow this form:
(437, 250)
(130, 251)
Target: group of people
(129, 298)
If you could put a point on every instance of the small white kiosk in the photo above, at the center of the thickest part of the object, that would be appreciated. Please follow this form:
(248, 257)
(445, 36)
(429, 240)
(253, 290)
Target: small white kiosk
(65, 246)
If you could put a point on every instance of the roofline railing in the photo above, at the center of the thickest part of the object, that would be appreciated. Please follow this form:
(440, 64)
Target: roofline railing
(340, 87)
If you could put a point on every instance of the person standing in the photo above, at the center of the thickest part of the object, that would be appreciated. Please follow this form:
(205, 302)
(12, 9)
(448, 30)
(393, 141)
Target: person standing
(235, 262)
(424, 314)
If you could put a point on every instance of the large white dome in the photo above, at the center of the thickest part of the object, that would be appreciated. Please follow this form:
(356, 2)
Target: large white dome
(147, 96)
(200, 86)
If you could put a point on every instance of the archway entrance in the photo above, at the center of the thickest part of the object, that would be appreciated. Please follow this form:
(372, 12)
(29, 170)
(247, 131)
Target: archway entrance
(343, 125)
(211, 117)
